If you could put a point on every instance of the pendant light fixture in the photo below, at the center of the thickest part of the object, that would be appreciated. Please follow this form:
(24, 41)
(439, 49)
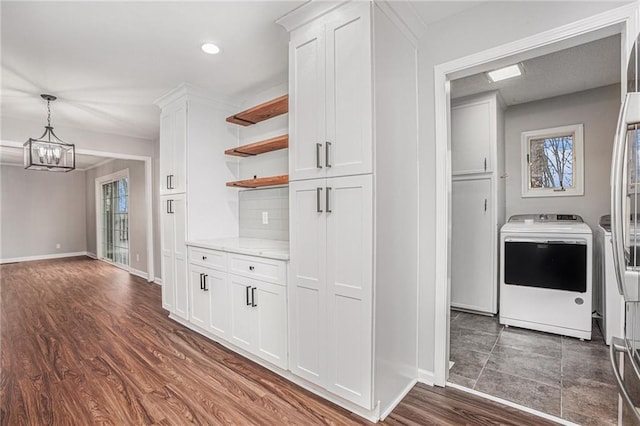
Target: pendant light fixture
(49, 152)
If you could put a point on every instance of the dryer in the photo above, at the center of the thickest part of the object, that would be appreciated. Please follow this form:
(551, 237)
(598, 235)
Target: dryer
(546, 274)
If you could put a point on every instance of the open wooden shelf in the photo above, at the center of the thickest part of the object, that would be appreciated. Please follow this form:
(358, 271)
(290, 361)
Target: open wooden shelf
(268, 145)
(258, 113)
(260, 182)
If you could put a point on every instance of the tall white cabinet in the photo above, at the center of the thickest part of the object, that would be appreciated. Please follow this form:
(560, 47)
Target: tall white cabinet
(353, 215)
(193, 200)
(477, 201)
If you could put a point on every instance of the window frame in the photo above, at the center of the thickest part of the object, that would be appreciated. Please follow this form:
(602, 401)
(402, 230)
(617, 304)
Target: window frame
(577, 167)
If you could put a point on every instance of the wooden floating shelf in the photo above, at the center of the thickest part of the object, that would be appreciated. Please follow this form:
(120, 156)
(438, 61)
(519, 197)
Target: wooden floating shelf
(268, 145)
(260, 182)
(258, 113)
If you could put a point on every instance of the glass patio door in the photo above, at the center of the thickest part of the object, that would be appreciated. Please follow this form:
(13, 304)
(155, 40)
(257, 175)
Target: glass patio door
(115, 221)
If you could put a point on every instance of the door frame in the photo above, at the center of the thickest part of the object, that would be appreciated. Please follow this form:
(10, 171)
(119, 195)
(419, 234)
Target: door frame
(121, 174)
(626, 17)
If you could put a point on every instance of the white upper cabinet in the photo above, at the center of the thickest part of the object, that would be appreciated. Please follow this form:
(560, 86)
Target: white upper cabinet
(173, 149)
(330, 94)
(473, 134)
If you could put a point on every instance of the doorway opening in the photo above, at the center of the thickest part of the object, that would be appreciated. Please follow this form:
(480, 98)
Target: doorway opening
(479, 352)
(113, 218)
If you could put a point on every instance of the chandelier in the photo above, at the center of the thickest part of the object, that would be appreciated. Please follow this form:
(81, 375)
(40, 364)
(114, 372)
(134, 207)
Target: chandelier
(48, 152)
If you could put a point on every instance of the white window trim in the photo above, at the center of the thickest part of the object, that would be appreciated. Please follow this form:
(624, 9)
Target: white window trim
(578, 166)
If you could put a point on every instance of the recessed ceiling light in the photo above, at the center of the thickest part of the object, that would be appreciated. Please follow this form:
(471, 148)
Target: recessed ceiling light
(504, 73)
(210, 48)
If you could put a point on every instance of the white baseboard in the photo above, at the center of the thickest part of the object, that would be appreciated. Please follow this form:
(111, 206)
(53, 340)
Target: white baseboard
(426, 377)
(92, 255)
(138, 273)
(43, 257)
(157, 280)
(398, 399)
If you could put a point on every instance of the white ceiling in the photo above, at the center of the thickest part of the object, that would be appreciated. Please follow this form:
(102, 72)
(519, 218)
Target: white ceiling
(582, 67)
(13, 156)
(108, 61)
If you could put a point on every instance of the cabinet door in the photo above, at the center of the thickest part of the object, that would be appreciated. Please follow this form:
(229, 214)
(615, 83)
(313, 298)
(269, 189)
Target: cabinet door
(473, 132)
(217, 287)
(167, 129)
(199, 298)
(349, 91)
(350, 287)
(271, 326)
(167, 237)
(307, 285)
(179, 173)
(473, 246)
(181, 286)
(242, 313)
(173, 149)
(307, 103)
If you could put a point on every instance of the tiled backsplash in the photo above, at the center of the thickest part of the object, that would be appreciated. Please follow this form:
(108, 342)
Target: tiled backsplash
(274, 201)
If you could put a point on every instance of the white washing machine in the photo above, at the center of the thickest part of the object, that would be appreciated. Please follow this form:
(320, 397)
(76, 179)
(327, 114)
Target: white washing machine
(546, 274)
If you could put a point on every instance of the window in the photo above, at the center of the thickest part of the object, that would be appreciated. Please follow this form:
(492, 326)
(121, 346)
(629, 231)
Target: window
(552, 163)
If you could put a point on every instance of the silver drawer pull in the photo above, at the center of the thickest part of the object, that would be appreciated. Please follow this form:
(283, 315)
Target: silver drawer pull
(204, 257)
(251, 268)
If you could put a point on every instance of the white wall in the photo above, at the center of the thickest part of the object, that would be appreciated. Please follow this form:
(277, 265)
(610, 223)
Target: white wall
(482, 27)
(39, 210)
(597, 109)
(137, 209)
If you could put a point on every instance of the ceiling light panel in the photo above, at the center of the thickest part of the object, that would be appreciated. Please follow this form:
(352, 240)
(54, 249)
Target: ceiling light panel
(505, 73)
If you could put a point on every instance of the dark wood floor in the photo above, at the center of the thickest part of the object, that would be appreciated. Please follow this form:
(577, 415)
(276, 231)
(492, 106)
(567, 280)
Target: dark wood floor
(83, 342)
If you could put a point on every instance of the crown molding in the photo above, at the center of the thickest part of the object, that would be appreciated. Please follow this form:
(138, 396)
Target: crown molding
(187, 91)
(307, 13)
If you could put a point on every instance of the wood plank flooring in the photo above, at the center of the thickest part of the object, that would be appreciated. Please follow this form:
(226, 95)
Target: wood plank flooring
(83, 342)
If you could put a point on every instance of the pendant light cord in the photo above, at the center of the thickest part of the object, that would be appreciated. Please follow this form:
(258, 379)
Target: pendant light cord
(48, 113)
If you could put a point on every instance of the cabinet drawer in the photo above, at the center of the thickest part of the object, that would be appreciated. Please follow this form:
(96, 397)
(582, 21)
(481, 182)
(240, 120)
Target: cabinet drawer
(209, 258)
(271, 270)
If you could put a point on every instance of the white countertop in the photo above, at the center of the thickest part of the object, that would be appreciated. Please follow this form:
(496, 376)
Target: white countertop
(273, 249)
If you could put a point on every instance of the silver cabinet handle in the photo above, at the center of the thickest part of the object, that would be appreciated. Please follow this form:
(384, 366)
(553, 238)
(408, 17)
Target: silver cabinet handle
(618, 346)
(318, 147)
(485, 164)
(170, 206)
(326, 155)
(327, 199)
(168, 182)
(485, 204)
(318, 194)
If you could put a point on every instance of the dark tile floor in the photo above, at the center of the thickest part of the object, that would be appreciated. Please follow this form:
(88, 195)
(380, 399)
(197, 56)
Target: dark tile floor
(558, 375)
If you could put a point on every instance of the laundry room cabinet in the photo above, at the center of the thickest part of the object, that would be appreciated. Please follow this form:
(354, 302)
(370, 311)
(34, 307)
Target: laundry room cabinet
(330, 99)
(473, 136)
(474, 262)
(477, 201)
(175, 294)
(353, 211)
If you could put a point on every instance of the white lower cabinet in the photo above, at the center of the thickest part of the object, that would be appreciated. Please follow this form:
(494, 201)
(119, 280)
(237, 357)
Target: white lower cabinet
(259, 318)
(209, 299)
(174, 255)
(332, 284)
(474, 279)
(250, 314)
